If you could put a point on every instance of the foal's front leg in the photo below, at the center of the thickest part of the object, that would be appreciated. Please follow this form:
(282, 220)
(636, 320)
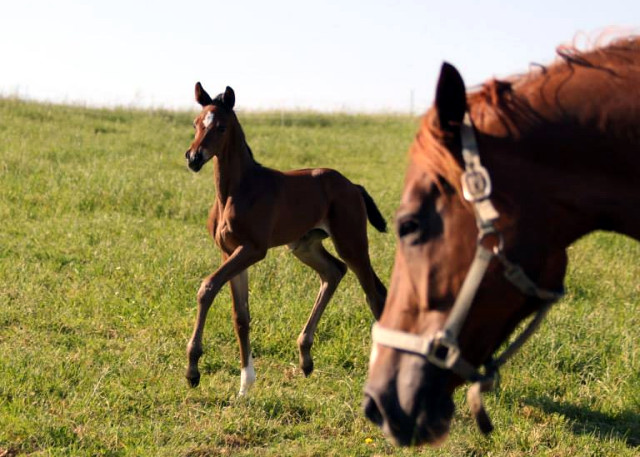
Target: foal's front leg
(242, 258)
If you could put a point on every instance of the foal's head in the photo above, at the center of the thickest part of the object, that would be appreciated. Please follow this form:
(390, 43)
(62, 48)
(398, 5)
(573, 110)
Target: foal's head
(210, 126)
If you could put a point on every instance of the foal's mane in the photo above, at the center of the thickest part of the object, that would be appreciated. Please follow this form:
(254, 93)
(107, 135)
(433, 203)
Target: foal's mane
(500, 96)
(219, 102)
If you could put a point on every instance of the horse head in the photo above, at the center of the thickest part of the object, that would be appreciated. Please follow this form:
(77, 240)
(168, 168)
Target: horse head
(210, 126)
(420, 352)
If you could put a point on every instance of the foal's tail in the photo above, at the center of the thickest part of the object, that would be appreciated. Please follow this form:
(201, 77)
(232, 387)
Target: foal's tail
(373, 213)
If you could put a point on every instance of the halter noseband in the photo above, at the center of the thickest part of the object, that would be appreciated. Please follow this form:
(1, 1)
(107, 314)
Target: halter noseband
(442, 349)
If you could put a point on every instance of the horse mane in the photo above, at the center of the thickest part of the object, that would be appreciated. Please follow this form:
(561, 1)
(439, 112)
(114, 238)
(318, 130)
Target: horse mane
(615, 58)
(501, 97)
(606, 57)
(219, 101)
(251, 153)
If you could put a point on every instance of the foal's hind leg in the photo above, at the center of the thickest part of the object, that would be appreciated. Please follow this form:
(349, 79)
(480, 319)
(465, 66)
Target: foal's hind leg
(241, 319)
(331, 270)
(349, 235)
(374, 290)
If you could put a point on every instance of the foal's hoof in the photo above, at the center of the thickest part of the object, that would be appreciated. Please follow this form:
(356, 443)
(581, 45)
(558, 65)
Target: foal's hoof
(193, 379)
(307, 368)
(304, 356)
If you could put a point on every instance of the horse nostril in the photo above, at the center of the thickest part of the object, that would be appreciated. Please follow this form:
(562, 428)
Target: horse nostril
(371, 410)
(187, 154)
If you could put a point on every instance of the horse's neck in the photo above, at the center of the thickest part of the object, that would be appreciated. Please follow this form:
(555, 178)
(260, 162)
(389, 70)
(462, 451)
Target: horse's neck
(233, 162)
(583, 181)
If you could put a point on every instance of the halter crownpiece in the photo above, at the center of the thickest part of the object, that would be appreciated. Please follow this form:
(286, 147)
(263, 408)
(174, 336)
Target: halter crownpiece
(442, 349)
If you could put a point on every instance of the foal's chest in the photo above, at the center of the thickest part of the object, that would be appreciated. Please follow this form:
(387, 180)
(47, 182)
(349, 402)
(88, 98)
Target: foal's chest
(220, 227)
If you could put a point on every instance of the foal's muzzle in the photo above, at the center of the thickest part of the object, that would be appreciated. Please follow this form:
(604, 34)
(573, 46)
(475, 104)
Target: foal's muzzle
(195, 159)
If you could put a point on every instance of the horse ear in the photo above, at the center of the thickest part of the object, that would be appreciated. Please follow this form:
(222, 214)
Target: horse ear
(451, 98)
(229, 98)
(201, 95)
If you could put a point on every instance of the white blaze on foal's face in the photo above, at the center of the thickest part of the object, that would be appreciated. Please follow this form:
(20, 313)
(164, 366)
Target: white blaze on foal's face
(208, 119)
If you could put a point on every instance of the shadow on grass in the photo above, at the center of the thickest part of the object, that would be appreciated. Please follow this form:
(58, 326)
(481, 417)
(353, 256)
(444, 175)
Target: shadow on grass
(624, 426)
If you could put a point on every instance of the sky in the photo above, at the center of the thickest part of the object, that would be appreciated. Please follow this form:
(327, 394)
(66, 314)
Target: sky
(344, 55)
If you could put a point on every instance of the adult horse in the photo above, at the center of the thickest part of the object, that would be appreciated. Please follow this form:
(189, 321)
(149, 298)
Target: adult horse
(501, 181)
(257, 208)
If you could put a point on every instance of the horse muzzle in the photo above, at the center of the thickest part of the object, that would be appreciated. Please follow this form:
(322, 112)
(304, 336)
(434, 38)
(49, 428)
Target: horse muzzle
(424, 427)
(411, 406)
(195, 159)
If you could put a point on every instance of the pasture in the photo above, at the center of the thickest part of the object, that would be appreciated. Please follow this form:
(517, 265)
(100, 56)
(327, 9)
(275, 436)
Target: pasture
(103, 245)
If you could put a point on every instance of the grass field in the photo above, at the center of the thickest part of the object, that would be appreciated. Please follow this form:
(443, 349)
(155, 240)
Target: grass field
(103, 246)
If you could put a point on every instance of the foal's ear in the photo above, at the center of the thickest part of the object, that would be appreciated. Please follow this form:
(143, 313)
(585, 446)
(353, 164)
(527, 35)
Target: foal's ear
(229, 98)
(201, 95)
(451, 98)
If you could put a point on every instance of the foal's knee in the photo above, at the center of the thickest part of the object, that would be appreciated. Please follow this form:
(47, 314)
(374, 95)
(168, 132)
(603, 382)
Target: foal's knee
(203, 291)
(207, 292)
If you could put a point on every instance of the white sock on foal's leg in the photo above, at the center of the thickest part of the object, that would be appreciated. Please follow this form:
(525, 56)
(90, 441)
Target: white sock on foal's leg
(247, 377)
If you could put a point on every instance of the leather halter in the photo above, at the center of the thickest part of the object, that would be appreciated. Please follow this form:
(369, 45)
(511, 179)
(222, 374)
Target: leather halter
(442, 349)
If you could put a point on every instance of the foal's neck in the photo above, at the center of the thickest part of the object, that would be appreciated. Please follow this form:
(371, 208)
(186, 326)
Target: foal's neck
(233, 161)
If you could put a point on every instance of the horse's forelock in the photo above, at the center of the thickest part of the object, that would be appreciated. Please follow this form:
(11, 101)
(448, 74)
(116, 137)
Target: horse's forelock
(219, 102)
(431, 155)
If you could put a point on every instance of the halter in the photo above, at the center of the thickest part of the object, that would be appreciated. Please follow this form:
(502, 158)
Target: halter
(442, 349)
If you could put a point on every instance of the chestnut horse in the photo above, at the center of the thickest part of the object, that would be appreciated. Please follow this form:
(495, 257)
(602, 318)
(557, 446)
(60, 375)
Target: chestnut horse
(257, 208)
(560, 147)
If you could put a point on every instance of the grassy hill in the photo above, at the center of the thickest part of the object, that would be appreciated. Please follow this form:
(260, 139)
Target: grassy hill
(103, 246)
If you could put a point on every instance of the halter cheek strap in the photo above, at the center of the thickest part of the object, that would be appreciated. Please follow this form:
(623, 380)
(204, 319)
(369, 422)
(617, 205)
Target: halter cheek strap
(442, 349)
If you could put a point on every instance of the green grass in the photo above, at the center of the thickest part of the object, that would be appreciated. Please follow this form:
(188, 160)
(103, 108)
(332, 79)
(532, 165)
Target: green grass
(103, 246)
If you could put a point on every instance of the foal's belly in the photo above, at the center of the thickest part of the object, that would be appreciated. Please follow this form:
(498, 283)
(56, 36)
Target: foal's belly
(290, 234)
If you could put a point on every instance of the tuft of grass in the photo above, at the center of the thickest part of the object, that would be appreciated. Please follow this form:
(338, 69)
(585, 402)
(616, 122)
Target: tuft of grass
(103, 246)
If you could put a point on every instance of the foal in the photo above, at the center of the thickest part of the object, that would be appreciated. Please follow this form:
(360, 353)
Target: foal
(258, 208)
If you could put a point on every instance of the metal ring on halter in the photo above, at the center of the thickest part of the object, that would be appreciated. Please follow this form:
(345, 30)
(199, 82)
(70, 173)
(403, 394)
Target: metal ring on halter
(499, 247)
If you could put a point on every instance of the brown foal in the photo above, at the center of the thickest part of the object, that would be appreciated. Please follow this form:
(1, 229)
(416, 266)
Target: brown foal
(258, 208)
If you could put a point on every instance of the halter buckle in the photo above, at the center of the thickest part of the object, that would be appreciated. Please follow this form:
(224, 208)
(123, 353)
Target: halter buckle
(444, 351)
(476, 183)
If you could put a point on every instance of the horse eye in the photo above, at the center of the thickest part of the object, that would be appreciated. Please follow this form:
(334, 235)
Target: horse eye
(407, 227)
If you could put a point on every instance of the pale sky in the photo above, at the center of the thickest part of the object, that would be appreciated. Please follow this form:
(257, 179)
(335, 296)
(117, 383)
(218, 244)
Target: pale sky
(345, 55)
